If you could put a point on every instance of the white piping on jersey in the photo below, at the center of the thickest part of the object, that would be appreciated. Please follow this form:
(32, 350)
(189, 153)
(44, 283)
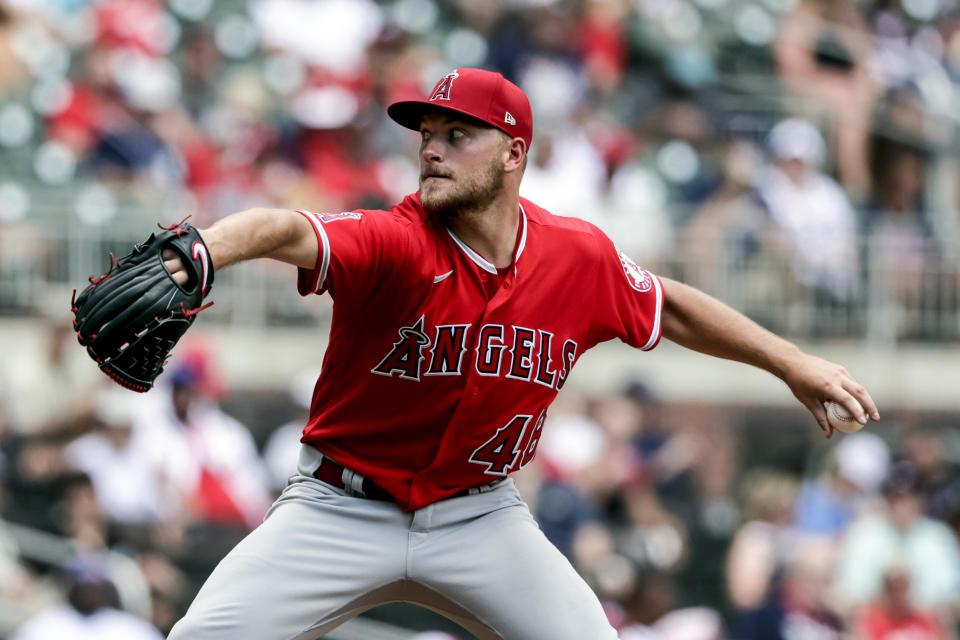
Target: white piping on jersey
(482, 262)
(523, 234)
(655, 332)
(325, 261)
(443, 277)
(523, 240)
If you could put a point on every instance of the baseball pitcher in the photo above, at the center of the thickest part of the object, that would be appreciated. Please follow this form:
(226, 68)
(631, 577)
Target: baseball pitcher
(458, 316)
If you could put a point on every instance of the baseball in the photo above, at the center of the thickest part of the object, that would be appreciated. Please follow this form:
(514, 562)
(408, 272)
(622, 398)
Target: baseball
(840, 419)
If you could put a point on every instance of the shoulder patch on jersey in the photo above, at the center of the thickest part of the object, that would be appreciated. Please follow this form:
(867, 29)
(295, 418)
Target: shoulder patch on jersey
(333, 217)
(639, 279)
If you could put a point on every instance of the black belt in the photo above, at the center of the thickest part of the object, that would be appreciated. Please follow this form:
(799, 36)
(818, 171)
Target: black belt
(331, 472)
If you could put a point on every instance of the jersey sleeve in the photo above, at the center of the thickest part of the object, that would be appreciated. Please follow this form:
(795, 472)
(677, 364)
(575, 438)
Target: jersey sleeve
(629, 299)
(356, 251)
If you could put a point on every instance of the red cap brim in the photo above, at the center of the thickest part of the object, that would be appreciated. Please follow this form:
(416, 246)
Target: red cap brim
(409, 114)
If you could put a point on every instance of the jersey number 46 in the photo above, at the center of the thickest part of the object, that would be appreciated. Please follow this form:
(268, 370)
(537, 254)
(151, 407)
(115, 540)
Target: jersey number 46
(508, 446)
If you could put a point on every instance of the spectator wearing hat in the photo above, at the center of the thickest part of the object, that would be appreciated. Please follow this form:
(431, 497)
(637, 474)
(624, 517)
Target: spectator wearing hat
(825, 58)
(733, 248)
(854, 473)
(927, 549)
(812, 211)
(90, 611)
(208, 458)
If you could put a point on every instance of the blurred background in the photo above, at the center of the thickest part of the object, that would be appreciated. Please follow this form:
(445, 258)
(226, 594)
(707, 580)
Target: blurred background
(798, 159)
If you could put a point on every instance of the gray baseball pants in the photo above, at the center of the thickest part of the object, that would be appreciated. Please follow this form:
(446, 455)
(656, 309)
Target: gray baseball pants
(322, 557)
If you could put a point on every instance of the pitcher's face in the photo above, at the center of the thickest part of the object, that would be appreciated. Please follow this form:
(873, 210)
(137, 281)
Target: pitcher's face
(461, 164)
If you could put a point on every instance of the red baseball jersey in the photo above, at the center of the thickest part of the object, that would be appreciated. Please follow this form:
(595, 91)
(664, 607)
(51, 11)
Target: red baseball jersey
(440, 367)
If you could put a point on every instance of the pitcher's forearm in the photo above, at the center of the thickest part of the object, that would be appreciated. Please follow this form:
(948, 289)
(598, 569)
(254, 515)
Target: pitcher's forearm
(700, 322)
(697, 321)
(280, 234)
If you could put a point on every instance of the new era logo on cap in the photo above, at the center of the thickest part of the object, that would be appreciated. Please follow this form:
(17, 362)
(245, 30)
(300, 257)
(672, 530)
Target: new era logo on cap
(480, 94)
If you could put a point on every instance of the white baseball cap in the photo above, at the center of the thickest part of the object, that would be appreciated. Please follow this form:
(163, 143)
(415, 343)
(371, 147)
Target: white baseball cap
(863, 458)
(797, 139)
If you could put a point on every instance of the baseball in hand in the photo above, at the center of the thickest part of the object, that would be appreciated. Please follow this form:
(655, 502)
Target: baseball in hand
(840, 418)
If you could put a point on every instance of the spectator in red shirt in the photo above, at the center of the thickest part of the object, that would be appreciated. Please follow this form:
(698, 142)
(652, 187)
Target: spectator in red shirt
(892, 616)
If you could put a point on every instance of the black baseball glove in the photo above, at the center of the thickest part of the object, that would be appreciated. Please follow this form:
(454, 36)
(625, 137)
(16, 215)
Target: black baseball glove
(131, 317)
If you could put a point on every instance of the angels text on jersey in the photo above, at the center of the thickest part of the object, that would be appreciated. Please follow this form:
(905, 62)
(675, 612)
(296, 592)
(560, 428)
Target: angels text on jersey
(494, 350)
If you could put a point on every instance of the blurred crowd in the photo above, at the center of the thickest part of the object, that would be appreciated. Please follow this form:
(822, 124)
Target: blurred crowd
(691, 522)
(778, 153)
(135, 496)
(697, 523)
(781, 154)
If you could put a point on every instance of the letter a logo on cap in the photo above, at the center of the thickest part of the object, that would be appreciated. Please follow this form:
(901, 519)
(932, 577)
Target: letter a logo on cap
(509, 119)
(442, 90)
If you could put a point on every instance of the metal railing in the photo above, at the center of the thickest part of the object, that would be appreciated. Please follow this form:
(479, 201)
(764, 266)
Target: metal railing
(45, 257)
(894, 297)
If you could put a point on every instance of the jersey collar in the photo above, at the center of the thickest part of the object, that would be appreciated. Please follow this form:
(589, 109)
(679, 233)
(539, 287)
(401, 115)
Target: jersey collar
(482, 262)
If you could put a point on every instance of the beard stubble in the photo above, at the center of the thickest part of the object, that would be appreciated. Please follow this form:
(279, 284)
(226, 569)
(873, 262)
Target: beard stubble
(468, 197)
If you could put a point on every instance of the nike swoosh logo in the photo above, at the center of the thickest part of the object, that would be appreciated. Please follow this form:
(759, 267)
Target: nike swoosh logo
(443, 277)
